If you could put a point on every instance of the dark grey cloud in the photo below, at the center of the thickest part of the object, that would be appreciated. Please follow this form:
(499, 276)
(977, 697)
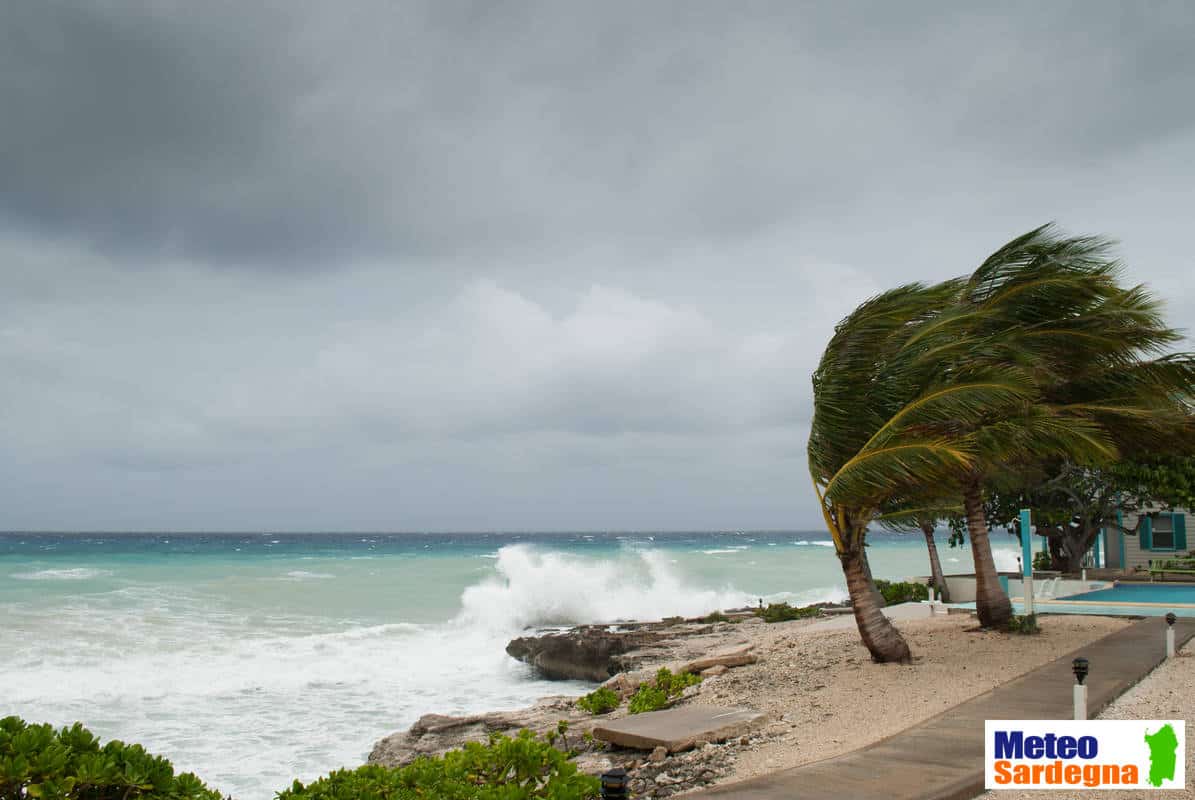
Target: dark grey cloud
(435, 265)
(299, 133)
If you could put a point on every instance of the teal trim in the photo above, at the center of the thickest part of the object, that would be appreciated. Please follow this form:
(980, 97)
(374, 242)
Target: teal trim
(1120, 537)
(1026, 545)
(1147, 533)
(1180, 531)
(1096, 550)
(1003, 582)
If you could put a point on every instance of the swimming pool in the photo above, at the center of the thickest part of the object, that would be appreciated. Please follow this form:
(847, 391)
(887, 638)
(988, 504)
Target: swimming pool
(1139, 593)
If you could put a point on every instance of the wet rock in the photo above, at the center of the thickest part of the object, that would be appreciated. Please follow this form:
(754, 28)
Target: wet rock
(587, 653)
(597, 652)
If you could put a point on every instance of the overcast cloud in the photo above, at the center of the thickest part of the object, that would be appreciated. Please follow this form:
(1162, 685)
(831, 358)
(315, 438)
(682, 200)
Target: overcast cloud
(470, 266)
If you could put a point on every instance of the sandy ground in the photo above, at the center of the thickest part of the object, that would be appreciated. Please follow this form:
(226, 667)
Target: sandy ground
(829, 698)
(1166, 693)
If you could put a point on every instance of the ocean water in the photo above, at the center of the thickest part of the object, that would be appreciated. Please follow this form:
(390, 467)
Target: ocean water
(256, 659)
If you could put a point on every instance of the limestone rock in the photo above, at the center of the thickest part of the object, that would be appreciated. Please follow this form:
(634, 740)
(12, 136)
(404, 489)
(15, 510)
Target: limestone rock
(678, 729)
(436, 734)
(596, 652)
(586, 653)
(737, 657)
(593, 763)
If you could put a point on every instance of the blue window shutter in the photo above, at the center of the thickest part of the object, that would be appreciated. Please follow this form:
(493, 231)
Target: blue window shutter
(1180, 531)
(1147, 533)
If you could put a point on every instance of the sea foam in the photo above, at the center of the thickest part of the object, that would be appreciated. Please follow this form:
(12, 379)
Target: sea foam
(535, 587)
(73, 574)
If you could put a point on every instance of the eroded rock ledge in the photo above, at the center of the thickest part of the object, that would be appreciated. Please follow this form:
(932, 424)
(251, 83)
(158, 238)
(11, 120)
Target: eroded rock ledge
(621, 657)
(598, 652)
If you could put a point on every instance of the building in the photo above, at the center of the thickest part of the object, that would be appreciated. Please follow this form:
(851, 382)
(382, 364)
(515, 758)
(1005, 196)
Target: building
(1161, 535)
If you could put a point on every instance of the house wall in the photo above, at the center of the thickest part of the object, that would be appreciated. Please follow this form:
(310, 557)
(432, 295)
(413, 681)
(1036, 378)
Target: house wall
(1140, 554)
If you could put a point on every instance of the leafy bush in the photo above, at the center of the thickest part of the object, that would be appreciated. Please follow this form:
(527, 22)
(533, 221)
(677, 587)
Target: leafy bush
(783, 612)
(37, 761)
(600, 701)
(647, 698)
(715, 616)
(655, 695)
(902, 592)
(1042, 560)
(508, 768)
(1025, 625)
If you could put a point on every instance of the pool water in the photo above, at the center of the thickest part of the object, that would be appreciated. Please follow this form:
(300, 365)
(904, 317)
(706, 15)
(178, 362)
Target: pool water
(1159, 593)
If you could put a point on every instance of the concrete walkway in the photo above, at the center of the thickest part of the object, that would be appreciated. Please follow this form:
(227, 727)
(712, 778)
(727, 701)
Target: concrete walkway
(942, 758)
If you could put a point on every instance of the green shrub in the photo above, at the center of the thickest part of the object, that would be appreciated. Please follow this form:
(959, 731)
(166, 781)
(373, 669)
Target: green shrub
(37, 761)
(902, 592)
(715, 616)
(655, 695)
(1025, 625)
(783, 612)
(508, 768)
(1043, 560)
(647, 698)
(600, 701)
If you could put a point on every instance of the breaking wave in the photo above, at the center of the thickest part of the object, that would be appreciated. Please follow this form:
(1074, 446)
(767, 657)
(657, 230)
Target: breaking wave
(554, 588)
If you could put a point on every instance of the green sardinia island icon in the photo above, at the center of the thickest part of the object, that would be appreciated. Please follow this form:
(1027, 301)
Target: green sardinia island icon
(1163, 754)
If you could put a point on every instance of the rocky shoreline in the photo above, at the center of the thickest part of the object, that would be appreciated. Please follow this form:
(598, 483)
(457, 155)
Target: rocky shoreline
(817, 692)
(619, 657)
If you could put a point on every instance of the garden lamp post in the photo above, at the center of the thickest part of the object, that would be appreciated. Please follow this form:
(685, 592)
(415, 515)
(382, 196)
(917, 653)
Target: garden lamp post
(614, 785)
(1080, 667)
(1170, 620)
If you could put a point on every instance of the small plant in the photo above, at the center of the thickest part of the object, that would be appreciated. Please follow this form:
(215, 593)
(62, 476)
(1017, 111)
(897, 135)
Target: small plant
(783, 612)
(715, 616)
(1042, 561)
(902, 591)
(522, 767)
(656, 695)
(37, 761)
(647, 698)
(1025, 625)
(600, 701)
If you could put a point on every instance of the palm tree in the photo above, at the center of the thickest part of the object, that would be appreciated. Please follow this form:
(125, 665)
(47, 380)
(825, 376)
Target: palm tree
(880, 430)
(905, 515)
(1050, 309)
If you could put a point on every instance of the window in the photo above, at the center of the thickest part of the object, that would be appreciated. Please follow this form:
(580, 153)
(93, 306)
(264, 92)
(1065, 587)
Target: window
(1163, 532)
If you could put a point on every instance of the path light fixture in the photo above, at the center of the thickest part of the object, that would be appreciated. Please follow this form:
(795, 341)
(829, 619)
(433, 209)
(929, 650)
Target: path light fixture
(1080, 667)
(1170, 620)
(614, 784)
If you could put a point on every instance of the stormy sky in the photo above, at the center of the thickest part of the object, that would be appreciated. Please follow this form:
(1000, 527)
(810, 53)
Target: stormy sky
(476, 266)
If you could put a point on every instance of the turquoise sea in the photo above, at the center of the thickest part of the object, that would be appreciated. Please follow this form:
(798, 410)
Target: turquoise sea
(253, 659)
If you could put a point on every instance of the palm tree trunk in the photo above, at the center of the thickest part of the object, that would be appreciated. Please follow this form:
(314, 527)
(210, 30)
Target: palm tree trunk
(992, 604)
(880, 636)
(935, 564)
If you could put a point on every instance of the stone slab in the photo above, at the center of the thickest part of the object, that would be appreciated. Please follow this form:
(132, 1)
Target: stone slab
(736, 657)
(678, 729)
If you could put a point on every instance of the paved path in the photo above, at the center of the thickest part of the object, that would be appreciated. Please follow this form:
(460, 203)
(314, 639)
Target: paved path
(942, 758)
